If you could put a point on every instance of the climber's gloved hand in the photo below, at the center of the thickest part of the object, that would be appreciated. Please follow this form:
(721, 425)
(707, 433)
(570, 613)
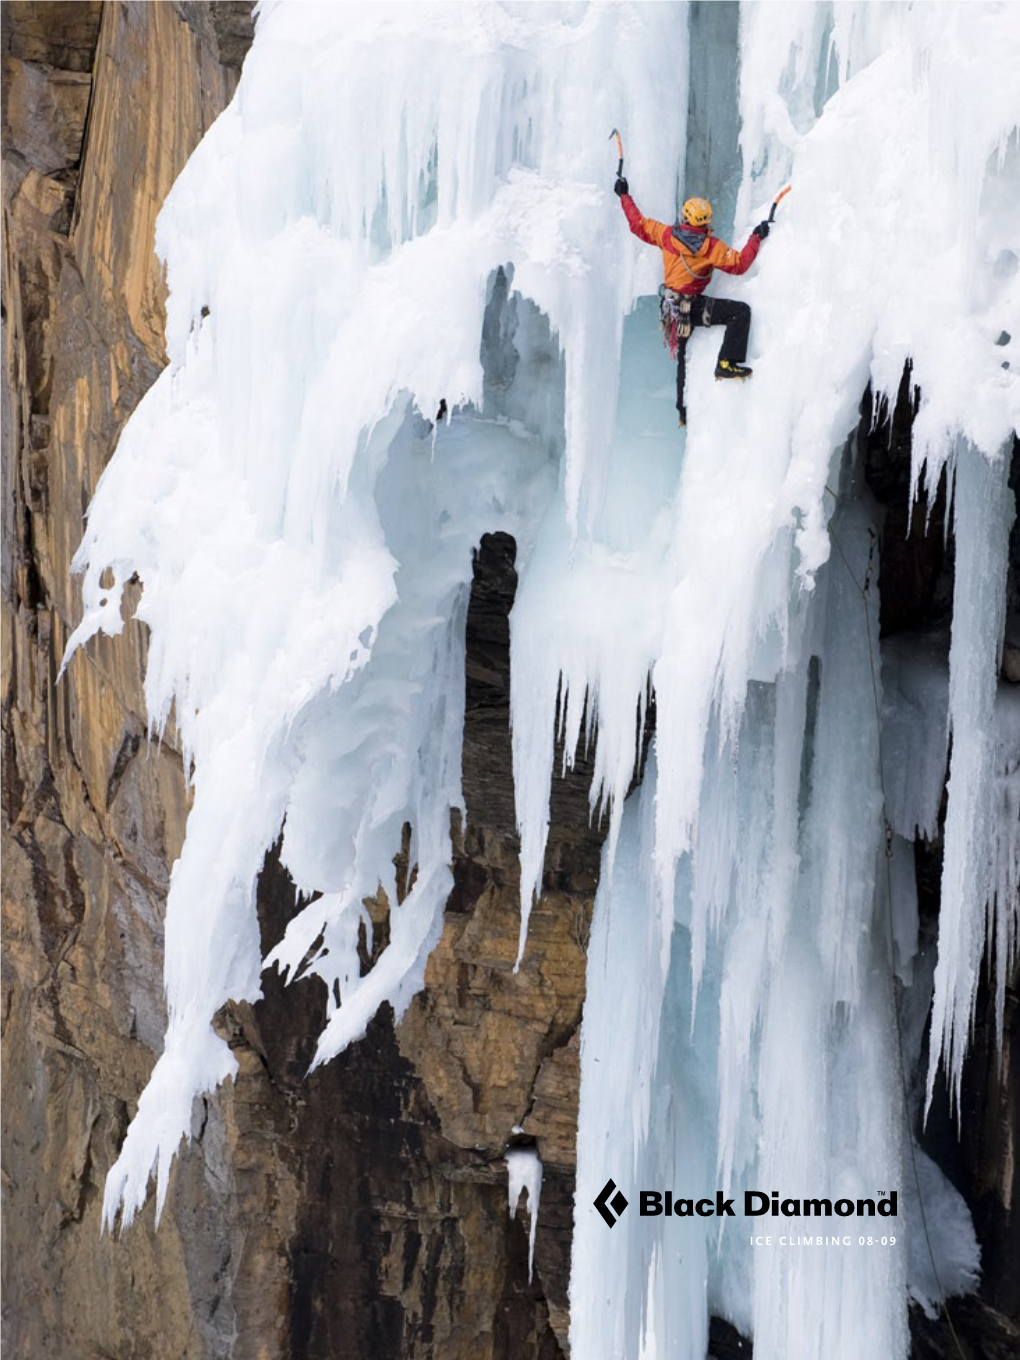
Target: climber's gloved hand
(621, 187)
(761, 230)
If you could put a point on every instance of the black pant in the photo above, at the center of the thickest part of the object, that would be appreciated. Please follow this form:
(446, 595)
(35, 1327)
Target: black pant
(706, 311)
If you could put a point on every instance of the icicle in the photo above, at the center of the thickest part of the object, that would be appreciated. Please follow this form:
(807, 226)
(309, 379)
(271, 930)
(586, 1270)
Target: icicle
(524, 1176)
(972, 907)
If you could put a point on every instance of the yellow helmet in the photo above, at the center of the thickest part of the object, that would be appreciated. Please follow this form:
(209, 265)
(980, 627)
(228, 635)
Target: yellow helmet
(697, 212)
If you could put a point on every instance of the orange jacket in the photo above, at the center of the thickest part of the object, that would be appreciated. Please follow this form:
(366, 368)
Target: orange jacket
(689, 271)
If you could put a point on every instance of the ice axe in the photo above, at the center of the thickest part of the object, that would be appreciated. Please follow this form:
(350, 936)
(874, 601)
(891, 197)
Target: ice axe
(777, 200)
(619, 147)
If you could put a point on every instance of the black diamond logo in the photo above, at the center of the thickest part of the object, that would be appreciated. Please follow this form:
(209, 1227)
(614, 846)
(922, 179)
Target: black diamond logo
(605, 1205)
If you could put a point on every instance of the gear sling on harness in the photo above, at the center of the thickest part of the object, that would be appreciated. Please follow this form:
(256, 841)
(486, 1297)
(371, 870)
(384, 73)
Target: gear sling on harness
(675, 317)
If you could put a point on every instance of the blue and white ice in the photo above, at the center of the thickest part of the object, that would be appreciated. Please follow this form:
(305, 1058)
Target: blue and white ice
(304, 537)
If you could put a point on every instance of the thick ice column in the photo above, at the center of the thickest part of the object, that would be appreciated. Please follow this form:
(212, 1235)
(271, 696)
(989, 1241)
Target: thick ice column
(830, 1118)
(619, 1042)
(827, 1082)
(972, 907)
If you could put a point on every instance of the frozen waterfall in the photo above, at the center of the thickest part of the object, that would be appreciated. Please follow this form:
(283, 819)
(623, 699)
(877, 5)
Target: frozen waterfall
(412, 204)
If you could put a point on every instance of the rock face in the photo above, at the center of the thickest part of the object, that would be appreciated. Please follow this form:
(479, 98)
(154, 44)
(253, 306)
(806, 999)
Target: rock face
(361, 1212)
(102, 104)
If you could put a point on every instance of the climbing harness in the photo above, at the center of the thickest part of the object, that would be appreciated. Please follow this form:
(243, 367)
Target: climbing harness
(674, 317)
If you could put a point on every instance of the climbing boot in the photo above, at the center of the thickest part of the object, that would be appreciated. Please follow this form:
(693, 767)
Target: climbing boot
(724, 369)
(683, 417)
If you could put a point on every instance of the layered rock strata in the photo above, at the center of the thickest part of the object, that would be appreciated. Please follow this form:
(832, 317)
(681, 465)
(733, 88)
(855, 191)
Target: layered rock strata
(102, 105)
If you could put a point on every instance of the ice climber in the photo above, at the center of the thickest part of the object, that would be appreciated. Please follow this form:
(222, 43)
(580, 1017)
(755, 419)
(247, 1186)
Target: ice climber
(689, 255)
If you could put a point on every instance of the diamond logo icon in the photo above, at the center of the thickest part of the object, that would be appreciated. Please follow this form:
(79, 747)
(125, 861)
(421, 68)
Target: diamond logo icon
(606, 1206)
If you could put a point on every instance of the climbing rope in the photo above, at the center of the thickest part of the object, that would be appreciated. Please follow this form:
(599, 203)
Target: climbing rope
(864, 591)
